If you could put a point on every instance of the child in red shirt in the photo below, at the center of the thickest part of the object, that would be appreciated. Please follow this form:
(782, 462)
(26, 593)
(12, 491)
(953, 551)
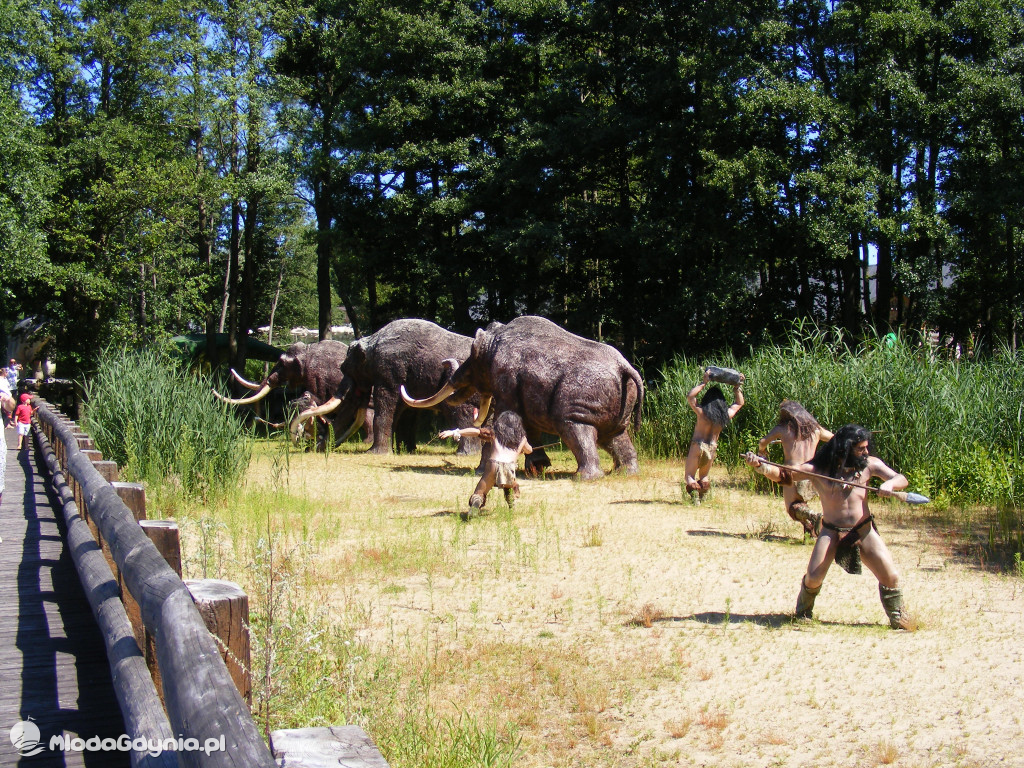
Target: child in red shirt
(23, 417)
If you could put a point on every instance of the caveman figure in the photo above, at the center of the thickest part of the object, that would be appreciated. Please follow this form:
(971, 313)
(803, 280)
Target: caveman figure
(848, 533)
(799, 432)
(713, 415)
(502, 445)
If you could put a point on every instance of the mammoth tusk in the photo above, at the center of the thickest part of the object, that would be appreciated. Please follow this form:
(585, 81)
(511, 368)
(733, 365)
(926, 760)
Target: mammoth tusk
(244, 400)
(428, 402)
(360, 418)
(297, 421)
(485, 407)
(320, 410)
(245, 382)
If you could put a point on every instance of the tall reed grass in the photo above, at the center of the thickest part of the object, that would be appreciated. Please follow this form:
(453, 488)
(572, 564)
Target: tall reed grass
(954, 427)
(162, 427)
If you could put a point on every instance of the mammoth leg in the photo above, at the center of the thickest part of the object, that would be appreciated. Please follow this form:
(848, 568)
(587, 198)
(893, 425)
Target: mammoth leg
(581, 439)
(623, 453)
(384, 405)
(537, 462)
(405, 431)
(368, 425)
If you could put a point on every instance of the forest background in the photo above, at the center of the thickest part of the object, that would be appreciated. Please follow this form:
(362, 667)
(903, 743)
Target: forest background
(670, 177)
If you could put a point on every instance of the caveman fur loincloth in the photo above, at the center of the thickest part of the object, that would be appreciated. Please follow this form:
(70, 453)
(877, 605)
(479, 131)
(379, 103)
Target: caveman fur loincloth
(504, 473)
(848, 551)
(805, 490)
(707, 453)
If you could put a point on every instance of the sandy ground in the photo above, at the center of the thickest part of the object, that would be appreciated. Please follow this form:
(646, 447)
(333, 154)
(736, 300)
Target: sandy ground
(615, 624)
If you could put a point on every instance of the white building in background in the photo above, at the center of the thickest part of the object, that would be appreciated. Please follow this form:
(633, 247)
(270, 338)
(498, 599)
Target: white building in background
(283, 338)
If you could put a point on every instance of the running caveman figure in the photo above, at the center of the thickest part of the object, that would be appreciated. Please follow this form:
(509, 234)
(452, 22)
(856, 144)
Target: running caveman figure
(508, 437)
(848, 533)
(713, 415)
(799, 432)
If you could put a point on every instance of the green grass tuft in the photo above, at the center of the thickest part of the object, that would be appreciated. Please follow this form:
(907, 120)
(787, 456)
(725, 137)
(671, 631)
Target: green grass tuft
(162, 426)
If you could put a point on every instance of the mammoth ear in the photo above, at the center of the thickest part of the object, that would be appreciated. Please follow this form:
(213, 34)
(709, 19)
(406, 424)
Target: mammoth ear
(449, 366)
(478, 342)
(355, 357)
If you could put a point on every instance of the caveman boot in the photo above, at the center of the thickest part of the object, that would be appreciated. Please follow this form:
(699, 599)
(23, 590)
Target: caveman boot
(805, 600)
(476, 501)
(811, 521)
(892, 601)
(695, 495)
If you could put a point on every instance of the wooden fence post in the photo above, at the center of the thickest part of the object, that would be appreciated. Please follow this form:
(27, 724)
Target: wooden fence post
(134, 497)
(93, 456)
(165, 536)
(224, 607)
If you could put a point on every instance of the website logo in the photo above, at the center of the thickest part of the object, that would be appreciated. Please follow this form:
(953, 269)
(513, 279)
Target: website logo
(25, 738)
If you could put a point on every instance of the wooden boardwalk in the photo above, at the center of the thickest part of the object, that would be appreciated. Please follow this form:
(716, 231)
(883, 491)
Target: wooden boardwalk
(53, 666)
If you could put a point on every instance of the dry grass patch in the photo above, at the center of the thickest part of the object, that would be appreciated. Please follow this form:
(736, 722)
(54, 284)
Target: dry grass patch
(646, 616)
(585, 629)
(678, 727)
(713, 719)
(884, 753)
(593, 536)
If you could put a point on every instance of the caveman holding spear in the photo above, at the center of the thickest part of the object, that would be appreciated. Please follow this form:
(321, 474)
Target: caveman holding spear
(840, 471)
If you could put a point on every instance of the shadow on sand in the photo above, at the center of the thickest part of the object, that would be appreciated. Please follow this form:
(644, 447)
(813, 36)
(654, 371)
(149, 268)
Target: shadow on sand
(726, 535)
(769, 620)
(715, 618)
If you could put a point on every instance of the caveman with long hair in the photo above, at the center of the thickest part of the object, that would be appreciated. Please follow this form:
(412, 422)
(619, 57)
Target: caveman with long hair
(713, 415)
(504, 441)
(848, 533)
(799, 432)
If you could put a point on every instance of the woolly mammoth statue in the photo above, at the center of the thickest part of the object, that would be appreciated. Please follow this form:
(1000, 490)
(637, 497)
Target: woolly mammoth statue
(313, 368)
(560, 383)
(416, 354)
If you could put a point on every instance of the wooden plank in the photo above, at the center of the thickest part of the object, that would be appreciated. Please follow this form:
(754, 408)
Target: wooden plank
(53, 664)
(346, 745)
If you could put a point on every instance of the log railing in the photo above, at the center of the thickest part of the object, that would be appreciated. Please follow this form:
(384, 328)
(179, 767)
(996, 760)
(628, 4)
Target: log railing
(172, 681)
(203, 704)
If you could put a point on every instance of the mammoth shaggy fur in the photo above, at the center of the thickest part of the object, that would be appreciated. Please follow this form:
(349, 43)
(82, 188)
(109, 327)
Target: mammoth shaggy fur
(560, 383)
(417, 354)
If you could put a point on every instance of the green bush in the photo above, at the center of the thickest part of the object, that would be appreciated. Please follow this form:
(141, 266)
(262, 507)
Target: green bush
(162, 427)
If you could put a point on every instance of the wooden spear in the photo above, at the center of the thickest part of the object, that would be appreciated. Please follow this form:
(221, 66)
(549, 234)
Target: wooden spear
(907, 496)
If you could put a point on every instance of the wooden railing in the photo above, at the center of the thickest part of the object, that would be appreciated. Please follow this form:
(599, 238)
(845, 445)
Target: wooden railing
(205, 712)
(174, 680)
